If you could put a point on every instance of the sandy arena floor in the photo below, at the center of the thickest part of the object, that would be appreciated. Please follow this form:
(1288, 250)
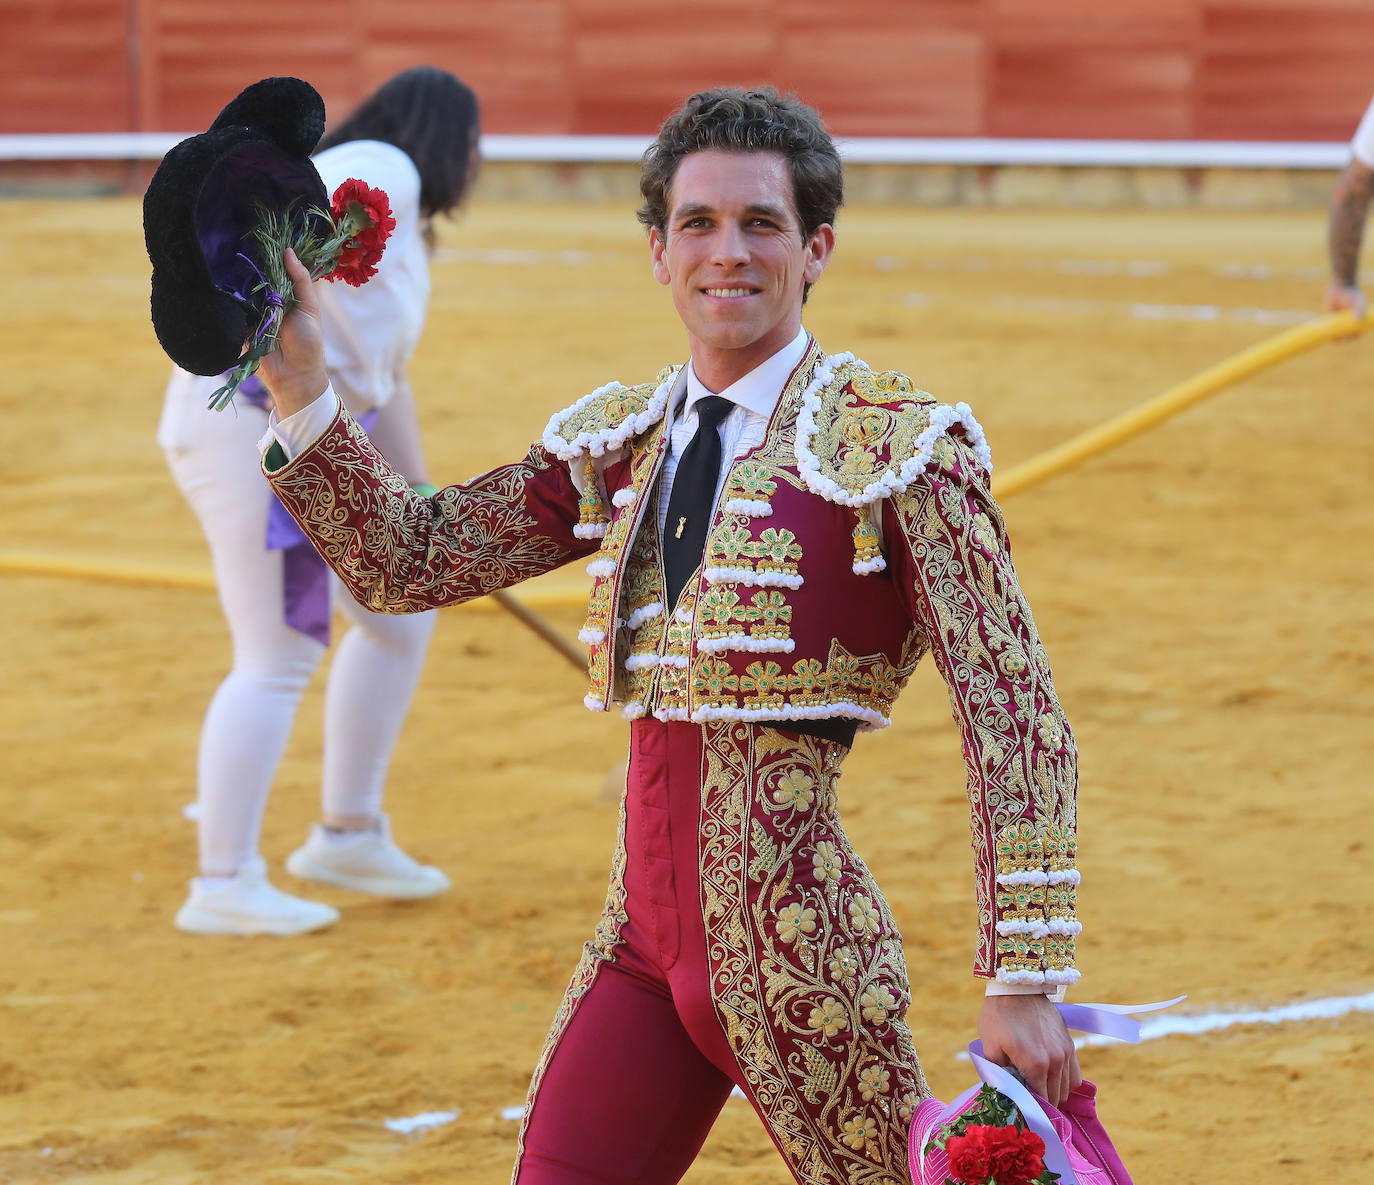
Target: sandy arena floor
(1203, 592)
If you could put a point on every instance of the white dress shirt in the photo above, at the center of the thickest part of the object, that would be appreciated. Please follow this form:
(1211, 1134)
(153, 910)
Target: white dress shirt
(755, 397)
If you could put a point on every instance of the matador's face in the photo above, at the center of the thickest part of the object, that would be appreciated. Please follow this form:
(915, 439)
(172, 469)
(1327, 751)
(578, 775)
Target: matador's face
(735, 259)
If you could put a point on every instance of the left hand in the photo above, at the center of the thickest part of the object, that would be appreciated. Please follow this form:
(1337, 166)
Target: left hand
(1027, 1033)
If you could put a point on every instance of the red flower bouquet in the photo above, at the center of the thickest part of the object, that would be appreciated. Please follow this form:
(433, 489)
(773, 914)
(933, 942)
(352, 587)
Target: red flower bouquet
(989, 1144)
(343, 243)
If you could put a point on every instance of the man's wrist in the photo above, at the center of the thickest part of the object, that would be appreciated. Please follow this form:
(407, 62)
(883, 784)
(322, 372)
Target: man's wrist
(996, 988)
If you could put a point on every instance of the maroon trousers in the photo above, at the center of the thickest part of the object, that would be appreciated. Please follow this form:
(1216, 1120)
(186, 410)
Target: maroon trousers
(743, 944)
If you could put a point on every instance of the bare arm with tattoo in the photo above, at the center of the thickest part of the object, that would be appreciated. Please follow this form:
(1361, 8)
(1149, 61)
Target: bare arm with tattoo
(1345, 229)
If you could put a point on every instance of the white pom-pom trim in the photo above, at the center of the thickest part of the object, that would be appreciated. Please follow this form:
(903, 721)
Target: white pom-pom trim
(589, 531)
(624, 497)
(1069, 929)
(1023, 878)
(869, 719)
(1069, 876)
(593, 704)
(641, 662)
(607, 439)
(632, 711)
(644, 614)
(671, 714)
(752, 578)
(1018, 926)
(1067, 975)
(600, 568)
(749, 506)
(864, 567)
(744, 642)
(1004, 976)
(943, 417)
(674, 660)
(591, 637)
(684, 616)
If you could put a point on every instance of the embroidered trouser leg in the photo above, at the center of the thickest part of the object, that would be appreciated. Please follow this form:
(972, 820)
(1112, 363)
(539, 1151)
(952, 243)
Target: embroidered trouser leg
(742, 935)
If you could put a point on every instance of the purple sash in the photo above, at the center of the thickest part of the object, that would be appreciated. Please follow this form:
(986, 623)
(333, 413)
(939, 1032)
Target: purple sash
(305, 576)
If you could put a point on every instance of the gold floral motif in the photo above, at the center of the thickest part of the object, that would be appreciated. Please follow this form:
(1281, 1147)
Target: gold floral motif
(776, 550)
(727, 544)
(794, 921)
(826, 862)
(874, 1080)
(764, 683)
(1019, 849)
(768, 614)
(750, 480)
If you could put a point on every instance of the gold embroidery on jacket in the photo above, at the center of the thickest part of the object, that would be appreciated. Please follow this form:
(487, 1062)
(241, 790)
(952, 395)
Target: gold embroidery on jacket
(1019, 753)
(808, 978)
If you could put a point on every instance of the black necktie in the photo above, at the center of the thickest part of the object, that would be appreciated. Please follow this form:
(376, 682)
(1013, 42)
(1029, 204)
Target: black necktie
(693, 496)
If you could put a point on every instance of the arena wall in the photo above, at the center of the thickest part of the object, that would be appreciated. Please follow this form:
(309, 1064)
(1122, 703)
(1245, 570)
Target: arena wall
(1129, 69)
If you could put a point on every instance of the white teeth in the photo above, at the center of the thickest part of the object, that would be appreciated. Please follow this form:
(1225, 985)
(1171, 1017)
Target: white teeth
(727, 292)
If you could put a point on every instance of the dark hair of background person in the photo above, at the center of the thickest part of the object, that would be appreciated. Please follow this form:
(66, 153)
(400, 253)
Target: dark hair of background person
(733, 120)
(431, 116)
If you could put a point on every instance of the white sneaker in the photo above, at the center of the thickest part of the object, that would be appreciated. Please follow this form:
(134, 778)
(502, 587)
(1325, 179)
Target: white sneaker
(366, 862)
(249, 904)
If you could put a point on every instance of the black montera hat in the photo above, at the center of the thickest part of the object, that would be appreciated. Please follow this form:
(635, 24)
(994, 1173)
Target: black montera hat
(200, 209)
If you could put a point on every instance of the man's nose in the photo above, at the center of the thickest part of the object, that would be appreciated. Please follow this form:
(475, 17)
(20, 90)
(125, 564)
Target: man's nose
(730, 248)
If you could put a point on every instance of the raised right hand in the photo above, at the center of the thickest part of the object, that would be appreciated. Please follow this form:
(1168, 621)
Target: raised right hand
(294, 372)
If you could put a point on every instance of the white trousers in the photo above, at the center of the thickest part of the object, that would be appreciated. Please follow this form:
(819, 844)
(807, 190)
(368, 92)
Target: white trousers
(376, 665)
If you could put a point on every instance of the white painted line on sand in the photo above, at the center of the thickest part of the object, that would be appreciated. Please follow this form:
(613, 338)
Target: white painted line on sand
(1146, 311)
(1331, 1008)
(421, 1123)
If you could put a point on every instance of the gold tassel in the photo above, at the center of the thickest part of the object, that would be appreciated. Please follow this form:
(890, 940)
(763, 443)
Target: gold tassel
(865, 539)
(591, 510)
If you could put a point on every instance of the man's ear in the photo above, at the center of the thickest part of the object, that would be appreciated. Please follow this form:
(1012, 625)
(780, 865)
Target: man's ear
(818, 252)
(658, 252)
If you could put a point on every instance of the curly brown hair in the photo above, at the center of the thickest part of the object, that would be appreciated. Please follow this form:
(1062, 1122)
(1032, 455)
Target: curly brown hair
(733, 120)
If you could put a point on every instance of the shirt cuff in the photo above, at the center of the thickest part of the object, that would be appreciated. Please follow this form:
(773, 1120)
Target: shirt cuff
(1054, 991)
(298, 431)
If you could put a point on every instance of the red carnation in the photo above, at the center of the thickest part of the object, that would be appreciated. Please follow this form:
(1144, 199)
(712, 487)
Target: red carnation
(355, 266)
(999, 1154)
(370, 208)
(1020, 1157)
(363, 217)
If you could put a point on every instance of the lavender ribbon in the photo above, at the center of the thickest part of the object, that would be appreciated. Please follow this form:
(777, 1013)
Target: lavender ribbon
(305, 576)
(1110, 1020)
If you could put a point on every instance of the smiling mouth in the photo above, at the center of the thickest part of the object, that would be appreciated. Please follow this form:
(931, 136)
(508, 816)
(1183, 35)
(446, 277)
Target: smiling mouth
(729, 292)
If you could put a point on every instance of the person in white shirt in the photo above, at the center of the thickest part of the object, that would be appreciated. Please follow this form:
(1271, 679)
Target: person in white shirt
(416, 138)
(1345, 224)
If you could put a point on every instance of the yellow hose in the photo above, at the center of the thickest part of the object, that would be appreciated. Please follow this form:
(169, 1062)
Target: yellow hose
(1020, 477)
(20, 563)
(1202, 385)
